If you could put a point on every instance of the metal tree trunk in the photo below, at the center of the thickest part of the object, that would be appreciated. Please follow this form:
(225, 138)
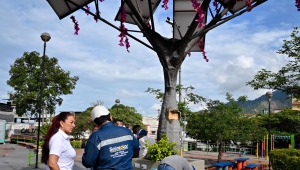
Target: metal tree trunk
(169, 123)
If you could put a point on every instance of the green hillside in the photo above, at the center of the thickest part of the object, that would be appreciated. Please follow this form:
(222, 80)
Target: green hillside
(279, 101)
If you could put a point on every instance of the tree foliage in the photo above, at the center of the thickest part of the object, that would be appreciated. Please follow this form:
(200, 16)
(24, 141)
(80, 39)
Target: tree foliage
(25, 79)
(188, 96)
(161, 149)
(287, 78)
(128, 115)
(83, 123)
(285, 122)
(222, 122)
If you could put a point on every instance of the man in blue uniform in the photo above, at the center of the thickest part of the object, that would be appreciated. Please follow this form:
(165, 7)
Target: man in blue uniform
(110, 147)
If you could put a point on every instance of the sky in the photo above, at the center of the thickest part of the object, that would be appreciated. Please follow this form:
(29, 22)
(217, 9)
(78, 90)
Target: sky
(236, 50)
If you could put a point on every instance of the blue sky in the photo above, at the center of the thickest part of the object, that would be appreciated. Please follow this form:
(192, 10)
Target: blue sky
(236, 51)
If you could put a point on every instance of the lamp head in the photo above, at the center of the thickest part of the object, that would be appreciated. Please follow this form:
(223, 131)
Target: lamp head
(117, 101)
(269, 94)
(45, 37)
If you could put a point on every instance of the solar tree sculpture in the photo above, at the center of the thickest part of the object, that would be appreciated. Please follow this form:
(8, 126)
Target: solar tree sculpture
(189, 28)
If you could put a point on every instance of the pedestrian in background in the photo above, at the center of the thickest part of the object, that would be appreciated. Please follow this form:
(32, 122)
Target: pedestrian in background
(143, 138)
(119, 123)
(110, 147)
(57, 151)
(136, 129)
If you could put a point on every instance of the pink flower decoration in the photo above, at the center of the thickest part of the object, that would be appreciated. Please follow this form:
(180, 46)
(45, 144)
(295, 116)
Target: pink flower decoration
(76, 25)
(249, 5)
(216, 5)
(195, 4)
(298, 5)
(165, 4)
(200, 12)
(201, 46)
(123, 30)
(87, 8)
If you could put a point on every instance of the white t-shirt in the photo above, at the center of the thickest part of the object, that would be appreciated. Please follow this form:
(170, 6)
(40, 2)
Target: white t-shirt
(143, 148)
(60, 145)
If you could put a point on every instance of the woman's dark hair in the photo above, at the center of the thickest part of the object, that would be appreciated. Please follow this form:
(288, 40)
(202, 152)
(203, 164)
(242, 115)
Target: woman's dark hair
(51, 131)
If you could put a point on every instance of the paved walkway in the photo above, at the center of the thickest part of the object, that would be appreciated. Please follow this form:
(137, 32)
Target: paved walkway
(14, 157)
(212, 157)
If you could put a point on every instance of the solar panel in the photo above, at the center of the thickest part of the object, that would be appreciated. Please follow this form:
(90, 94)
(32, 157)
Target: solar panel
(142, 6)
(184, 13)
(63, 8)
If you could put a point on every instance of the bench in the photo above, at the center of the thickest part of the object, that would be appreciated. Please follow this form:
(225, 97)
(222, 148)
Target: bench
(224, 165)
(251, 167)
(241, 162)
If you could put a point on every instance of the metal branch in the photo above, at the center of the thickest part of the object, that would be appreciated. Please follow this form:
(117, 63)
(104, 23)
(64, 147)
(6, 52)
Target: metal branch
(110, 24)
(194, 24)
(214, 22)
(144, 28)
(151, 14)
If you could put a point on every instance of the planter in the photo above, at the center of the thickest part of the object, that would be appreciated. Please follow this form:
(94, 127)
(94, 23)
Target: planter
(141, 163)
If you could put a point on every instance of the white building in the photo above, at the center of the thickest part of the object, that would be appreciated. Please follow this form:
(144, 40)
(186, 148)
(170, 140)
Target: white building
(151, 125)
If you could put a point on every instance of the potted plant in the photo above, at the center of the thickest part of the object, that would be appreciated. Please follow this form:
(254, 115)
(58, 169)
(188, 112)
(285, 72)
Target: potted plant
(156, 152)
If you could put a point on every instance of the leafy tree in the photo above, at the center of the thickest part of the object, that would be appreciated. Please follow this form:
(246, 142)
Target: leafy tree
(188, 97)
(285, 122)
(222, 122)
(287, 78)
(126, 114)
(25, 79)
(83, 123)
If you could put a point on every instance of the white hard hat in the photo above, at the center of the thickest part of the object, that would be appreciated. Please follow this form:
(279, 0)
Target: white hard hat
(99, 111)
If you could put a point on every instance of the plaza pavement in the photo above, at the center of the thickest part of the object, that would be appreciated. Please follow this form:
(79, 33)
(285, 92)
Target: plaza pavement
(15, 157)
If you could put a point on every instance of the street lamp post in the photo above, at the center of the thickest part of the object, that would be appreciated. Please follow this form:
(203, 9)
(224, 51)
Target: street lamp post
(269, 96)
(117, 103)
(45, 37)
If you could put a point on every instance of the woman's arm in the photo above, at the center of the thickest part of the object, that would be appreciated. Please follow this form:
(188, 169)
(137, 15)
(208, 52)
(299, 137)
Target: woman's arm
(52, 162)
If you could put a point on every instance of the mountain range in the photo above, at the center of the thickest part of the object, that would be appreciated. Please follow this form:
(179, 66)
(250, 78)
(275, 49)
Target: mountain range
(260, 105)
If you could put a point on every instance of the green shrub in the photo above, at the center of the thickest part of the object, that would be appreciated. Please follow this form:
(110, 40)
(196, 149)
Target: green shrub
(76, 144)
(41, 143)
(161, 149)
(285, 159)
(43, 129)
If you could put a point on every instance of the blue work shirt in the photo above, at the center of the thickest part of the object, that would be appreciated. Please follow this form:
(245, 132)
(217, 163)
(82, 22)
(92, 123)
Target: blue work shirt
(111, 147)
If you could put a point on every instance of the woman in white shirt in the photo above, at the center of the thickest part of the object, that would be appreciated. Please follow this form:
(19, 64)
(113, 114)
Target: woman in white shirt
(57, 151)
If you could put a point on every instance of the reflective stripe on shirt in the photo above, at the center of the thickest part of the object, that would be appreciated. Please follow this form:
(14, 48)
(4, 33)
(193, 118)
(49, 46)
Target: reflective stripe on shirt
(114, 140)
